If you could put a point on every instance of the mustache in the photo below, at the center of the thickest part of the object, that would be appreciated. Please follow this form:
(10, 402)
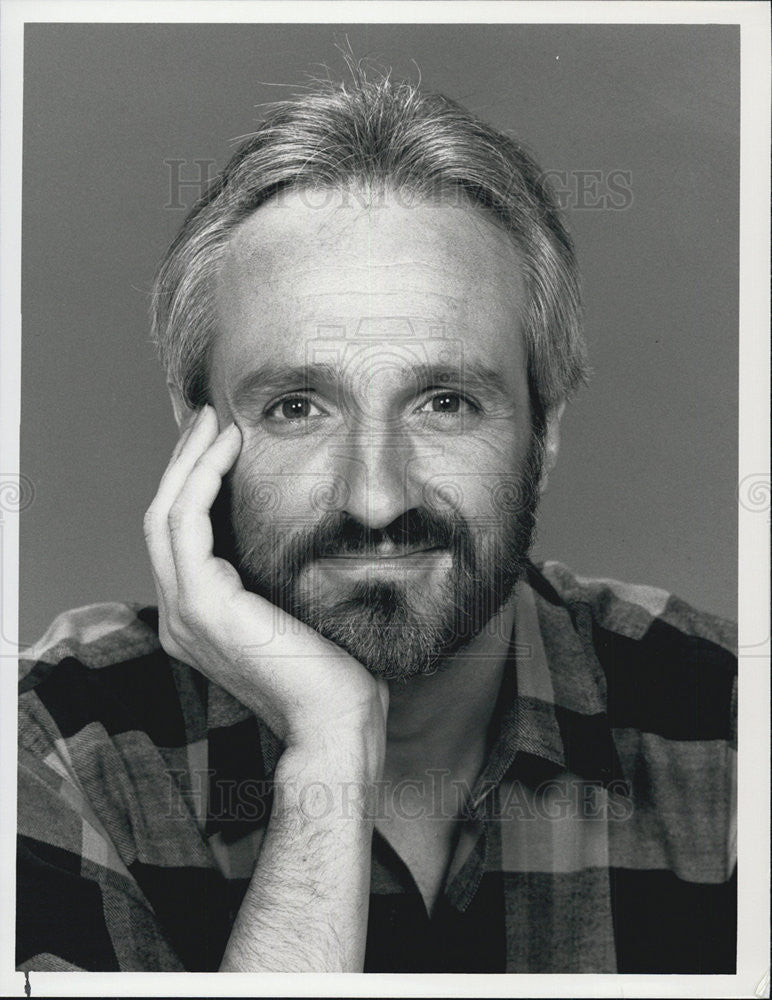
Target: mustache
(338, 534)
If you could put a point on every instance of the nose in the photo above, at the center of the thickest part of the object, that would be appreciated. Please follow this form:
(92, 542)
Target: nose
(379, 469)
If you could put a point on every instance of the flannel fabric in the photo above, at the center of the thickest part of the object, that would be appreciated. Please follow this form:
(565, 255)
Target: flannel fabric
(599, 836)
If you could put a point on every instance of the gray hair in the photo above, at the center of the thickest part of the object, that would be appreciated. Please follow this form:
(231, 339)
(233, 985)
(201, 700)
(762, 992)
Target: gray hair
(375, 133)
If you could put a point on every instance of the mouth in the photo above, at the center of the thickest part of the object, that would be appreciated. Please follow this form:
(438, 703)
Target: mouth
(386, 552)
(394, 559)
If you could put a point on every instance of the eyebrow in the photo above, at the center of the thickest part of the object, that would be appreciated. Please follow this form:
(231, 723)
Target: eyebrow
(271, 377)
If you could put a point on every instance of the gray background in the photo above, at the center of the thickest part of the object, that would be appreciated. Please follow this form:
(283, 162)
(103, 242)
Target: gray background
(645, 489)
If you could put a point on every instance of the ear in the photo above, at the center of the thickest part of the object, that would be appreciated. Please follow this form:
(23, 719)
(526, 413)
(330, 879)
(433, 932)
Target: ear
(182, 412)
(551, 442)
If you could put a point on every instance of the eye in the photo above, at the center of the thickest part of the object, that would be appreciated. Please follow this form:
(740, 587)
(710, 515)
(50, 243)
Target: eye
(293, 409)
(447, 402)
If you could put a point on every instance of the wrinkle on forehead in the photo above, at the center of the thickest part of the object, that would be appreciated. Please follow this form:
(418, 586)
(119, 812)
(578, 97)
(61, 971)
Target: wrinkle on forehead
(291, 233)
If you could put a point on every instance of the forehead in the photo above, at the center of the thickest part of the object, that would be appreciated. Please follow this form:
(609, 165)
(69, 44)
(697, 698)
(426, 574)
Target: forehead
(322, 266)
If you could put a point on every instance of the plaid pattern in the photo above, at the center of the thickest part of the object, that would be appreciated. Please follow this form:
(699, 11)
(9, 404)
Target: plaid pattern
(598, 838)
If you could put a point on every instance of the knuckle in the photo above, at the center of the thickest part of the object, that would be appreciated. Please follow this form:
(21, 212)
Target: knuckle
(205, 465)
(170, 640)
(188, 613)
(175, 625)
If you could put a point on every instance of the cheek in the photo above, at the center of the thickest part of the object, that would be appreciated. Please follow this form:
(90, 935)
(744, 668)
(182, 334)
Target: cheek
(485, 483)
(496, 446)
(503, 447)
(268, 491)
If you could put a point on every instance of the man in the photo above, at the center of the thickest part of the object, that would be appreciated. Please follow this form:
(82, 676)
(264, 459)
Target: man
(362, 730)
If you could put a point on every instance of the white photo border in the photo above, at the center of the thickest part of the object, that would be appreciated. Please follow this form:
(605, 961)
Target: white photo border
(753, 18)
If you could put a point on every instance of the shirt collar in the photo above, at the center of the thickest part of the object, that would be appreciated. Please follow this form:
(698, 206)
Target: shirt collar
(552, 712)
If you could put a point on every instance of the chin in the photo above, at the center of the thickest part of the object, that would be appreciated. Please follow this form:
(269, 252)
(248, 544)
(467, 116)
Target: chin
(388, 634)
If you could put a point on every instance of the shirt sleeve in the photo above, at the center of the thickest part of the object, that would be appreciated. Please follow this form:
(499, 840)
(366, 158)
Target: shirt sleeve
(77, 906)
(115, 871)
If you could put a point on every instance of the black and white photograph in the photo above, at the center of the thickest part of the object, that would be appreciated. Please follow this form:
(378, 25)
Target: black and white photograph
(384, 500)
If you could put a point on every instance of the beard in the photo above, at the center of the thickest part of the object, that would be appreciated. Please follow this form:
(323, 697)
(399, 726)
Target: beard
(397, 629)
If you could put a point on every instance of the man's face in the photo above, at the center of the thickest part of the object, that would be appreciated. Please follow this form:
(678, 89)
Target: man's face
(373, 359)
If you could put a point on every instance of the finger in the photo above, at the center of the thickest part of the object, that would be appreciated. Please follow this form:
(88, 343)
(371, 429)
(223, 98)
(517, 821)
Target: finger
(190, 447)
(189, 517)
(161, 561)
(162, 593)
(185, 432)
(156, 525)
(192, 443)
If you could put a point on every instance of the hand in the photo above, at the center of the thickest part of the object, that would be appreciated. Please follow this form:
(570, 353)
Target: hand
(304, 687)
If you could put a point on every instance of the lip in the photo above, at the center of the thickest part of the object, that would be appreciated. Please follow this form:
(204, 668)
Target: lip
(395, 561)
(386, 557)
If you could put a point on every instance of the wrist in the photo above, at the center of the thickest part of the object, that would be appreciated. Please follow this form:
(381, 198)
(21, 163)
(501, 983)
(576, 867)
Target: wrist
(328, 779)
(353, 755)
(348, 745)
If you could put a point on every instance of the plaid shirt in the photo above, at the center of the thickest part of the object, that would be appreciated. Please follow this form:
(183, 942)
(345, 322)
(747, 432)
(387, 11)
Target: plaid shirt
(599, 836)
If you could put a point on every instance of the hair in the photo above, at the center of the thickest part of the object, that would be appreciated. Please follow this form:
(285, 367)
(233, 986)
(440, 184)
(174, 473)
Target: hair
(375, 134)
